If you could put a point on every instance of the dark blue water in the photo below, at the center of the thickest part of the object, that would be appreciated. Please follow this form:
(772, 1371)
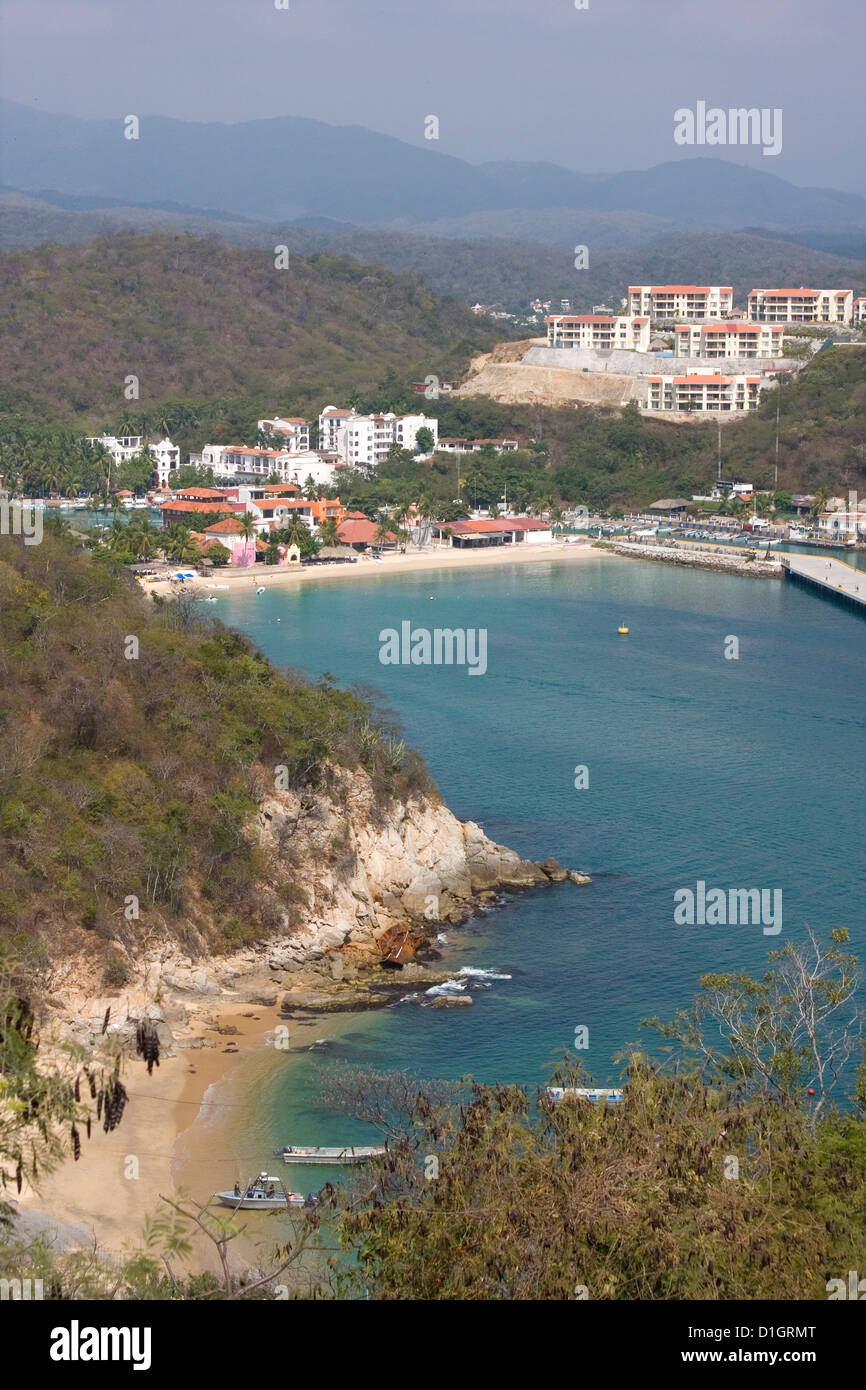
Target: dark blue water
(743, 773)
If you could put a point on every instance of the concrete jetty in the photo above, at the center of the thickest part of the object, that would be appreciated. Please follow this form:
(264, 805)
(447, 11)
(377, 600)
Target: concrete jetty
(834, 578)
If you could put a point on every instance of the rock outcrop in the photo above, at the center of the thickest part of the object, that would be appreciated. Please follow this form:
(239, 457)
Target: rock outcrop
(353, 882)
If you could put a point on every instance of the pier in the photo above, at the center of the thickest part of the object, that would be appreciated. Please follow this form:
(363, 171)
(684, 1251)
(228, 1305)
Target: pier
(833, 577)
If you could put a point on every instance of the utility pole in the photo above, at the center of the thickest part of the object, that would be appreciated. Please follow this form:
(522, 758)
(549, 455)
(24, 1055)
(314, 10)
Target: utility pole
(719, 428)
(776, 476)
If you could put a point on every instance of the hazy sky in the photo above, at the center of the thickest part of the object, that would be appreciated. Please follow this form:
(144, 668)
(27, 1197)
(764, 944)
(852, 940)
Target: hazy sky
(592, 89)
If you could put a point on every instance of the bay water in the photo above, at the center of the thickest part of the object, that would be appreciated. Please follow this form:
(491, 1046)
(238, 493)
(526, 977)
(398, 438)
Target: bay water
(736, 772)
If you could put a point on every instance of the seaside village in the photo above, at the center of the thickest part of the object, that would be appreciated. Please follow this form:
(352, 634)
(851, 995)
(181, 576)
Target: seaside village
(680, 348)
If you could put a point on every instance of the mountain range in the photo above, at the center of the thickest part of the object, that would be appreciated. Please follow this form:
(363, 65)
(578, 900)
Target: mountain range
(292, 167)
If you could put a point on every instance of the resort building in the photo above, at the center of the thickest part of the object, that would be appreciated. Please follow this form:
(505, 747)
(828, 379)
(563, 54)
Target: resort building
(801, 306)
(248, 461)
(729, 339)
(359, 533)
(700, 391)
(190, 512)
(681, 301)
(860, 309)
(252, 463)
(510, 530)
(122, 448)
(600, 331)
(363, 441)
(294, 431)
(453, 444)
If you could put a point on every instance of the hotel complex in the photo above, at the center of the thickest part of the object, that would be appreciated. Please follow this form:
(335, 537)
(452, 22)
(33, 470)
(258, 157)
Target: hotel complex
(681, 301)
(801, 306)
(703, 391)
(601, 331)
(729, 340)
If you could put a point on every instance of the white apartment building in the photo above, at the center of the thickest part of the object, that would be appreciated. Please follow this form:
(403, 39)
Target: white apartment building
(860, 309)
(294, 431)
(801, 306)
(244, 461)
(253, 464)
(363, 441)
(122, 448)
(703, 391)
(601, 331)
(729, 339)
(681, 301)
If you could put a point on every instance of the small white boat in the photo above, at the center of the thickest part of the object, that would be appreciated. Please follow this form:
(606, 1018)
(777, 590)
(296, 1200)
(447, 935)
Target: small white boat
(260, 589)
(594, 1093)
(309, 1153)
(265, 1194)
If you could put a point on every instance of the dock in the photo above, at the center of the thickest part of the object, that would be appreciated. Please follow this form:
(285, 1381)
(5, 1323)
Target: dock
(834, 578)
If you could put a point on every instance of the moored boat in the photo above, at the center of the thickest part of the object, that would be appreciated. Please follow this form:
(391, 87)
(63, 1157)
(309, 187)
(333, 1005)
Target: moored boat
(611, 1095)
(265, 1194)
(313, 1154)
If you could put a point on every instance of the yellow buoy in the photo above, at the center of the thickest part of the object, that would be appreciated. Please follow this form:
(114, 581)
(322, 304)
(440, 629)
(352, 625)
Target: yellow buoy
(623, 629)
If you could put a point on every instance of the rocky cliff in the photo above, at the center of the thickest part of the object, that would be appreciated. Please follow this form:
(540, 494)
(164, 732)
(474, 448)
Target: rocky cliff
(351, 882)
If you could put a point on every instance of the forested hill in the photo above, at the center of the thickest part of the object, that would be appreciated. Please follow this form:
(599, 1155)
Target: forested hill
(198, 318)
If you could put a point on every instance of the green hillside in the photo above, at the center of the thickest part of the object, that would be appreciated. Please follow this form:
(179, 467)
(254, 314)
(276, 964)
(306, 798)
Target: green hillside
(495, 258)
(198, 318)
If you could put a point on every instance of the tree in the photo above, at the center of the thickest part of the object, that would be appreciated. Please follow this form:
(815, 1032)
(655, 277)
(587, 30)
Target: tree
(792, 1031)
(248, 526)
(176, 545)
(328, 532)
(491, 1193)
(424, 440)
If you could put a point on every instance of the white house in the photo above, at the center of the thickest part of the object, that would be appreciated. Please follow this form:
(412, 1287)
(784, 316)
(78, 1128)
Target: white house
(122, 448)
(841, 522)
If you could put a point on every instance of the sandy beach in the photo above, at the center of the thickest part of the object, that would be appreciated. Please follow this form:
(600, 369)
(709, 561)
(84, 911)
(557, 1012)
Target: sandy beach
(184, 1128)
(390, 564)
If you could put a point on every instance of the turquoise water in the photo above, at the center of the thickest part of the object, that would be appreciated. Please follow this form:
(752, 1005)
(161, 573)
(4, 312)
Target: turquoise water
(743, 773)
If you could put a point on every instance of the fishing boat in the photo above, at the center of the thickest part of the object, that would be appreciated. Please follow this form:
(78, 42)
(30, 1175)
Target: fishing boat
(622, 630)
(265, 1194)
(311, 1153)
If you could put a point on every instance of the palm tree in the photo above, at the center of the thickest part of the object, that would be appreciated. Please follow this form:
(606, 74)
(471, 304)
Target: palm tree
(822, 497)
(176, 544)
(248, 526)
(297, 533)
(328, 532)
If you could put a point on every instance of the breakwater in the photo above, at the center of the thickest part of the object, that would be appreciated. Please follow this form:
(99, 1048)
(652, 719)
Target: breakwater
(745, 563)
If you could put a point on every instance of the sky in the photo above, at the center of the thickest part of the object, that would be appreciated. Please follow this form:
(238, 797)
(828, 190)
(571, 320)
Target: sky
(594, 89)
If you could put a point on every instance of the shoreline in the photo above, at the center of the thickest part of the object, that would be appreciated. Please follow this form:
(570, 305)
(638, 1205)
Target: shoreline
(121, 1176)
(269, 576)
